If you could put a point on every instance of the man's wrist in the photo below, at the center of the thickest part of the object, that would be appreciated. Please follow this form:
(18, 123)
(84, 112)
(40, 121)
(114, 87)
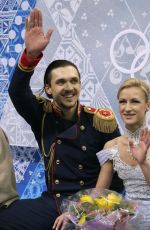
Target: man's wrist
(28, 64)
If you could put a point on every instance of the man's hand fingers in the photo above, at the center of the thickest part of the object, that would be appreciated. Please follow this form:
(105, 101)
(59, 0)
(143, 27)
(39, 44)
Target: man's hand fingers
(49, 33)
(31, 20)
(40, 19)
(58, 222)
(27, 26)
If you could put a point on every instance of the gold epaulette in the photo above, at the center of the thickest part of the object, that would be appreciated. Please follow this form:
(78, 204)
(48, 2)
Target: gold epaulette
(47, 107)
(40, 98)
(103, 119)
(47, 104)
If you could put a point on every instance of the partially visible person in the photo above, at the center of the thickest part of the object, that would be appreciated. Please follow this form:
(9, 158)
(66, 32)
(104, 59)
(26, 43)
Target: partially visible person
(68, 133)
(8, 192)
(129, 154)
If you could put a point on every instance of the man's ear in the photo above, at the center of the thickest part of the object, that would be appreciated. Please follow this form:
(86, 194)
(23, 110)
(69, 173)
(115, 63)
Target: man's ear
(47, 89)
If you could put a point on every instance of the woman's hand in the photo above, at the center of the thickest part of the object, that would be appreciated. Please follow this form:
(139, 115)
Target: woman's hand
(139, 151)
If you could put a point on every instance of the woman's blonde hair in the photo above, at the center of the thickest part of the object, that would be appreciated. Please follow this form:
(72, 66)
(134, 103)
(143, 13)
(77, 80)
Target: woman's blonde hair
(134, 82)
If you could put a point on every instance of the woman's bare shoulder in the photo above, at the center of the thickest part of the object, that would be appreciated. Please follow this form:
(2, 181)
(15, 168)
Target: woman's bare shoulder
(111, 143)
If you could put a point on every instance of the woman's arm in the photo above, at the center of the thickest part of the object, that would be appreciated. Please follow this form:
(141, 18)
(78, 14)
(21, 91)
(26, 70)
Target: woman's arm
(105, 175)
(106, 171)
(140, 153)
(146, 171)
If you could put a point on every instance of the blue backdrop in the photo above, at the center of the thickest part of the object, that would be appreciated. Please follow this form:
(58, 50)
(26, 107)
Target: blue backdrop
(109, 42)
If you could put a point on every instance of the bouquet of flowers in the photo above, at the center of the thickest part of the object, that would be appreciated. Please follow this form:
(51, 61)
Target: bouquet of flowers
(90, 209)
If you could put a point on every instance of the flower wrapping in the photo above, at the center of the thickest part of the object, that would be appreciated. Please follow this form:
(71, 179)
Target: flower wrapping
(91, 209)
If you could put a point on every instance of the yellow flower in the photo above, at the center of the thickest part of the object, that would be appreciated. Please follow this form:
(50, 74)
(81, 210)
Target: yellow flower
(82, 219)
(112, 200)
(116, 199)
(110, 205)
(101, 202)
(86, 198)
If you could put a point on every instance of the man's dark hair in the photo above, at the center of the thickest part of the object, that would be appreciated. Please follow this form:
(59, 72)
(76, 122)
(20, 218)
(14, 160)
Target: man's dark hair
(54, 65)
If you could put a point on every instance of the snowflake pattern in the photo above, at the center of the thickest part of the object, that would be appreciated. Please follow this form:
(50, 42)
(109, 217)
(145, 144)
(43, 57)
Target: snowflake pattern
(84, 34)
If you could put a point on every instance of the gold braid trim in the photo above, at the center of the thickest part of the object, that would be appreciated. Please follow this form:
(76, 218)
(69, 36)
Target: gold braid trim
(40, 98)
(42, 141)
(25, 69)
(47, 107)
(42, 135)
(104, 120)
(51, 152)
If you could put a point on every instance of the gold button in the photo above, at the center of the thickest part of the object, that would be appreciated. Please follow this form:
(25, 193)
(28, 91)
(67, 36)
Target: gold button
(84, 148)
(81, 182)
(57, 194)
(82, 127)
(56, 181)
(57, 162)
(80, 166)
(59, 142)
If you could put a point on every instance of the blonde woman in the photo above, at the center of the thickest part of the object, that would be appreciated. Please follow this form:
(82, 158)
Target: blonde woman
(129, 154)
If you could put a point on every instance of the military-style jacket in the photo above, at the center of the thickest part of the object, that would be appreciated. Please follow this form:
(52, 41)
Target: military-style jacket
(69, 148)
(8, 191)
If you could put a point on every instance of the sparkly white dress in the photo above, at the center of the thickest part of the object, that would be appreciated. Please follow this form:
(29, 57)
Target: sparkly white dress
(134, 181)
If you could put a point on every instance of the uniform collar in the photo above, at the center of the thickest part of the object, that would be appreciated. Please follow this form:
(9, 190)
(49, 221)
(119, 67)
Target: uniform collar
(56, 109)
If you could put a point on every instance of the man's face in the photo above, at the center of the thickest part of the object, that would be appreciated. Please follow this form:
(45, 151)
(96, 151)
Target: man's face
(64, 87)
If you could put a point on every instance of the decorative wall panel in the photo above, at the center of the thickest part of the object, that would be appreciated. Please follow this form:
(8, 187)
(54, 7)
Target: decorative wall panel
(109, 42)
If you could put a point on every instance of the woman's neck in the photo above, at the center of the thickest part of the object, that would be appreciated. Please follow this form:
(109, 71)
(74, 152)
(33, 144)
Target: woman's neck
(133, 133)
(133, 128)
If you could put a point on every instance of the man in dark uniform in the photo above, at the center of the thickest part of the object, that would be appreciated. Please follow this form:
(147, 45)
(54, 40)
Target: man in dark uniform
(68, 134)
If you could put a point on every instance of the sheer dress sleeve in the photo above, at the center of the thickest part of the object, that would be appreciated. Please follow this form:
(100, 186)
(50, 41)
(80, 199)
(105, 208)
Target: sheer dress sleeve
(104, 155)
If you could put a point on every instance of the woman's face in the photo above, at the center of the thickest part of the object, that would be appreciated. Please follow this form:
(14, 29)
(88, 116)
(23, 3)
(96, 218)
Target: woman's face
(133, 107)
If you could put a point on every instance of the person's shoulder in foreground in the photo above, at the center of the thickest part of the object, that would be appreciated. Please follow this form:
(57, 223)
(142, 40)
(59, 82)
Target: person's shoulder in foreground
(8, 192)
